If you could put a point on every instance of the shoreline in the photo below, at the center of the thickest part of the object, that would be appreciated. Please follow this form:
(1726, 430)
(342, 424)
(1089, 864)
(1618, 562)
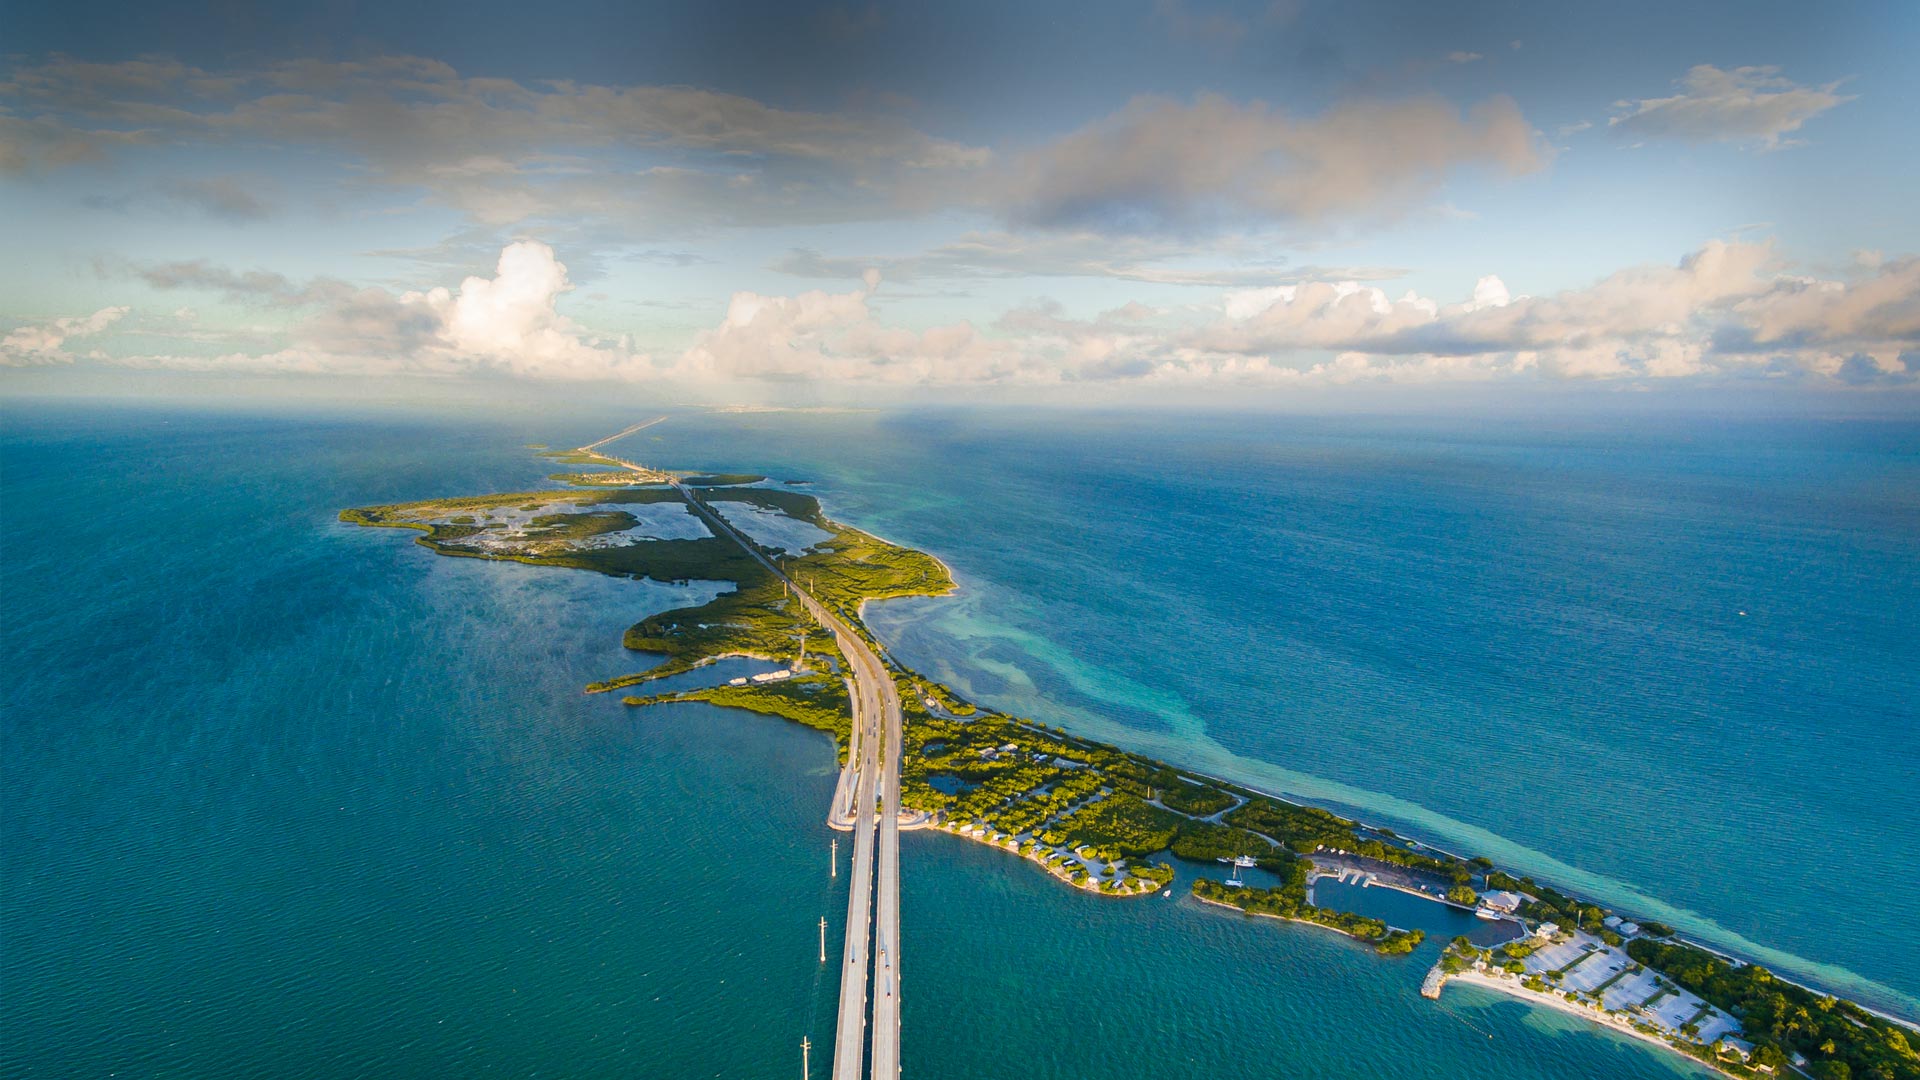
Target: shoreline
(1680, 935)
(1094, 873)
(1346, 810)
(1282, 918)
(1320, 875)
(1510, 987)
(1052, 871)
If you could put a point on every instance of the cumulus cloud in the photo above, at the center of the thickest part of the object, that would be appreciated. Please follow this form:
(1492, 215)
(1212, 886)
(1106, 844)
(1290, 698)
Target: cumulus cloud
(1745, 105)
(1160, 164)
(45, 342)
(835, 336)
(1729, 308)
(510, 320)
(507, 324)
(1726, 309)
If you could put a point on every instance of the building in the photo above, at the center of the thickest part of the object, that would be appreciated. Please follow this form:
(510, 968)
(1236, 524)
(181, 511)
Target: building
(1500, 901)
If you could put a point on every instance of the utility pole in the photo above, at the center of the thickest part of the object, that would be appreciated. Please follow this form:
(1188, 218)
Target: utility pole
(833, 863)
(823, 939)
(806, 1064)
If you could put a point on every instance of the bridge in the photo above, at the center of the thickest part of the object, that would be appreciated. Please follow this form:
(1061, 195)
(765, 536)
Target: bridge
(866, 802)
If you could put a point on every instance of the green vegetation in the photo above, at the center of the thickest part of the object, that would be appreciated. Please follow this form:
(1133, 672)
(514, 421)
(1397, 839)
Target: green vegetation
(721, 479)
(1461, 954)
(817, 701)
(757, 618)
(575, 457)
(946, 698)
(607, 478)
(1195, 799)
(1050, 791)
(1838, 1037)
(1400, 942)
(1307, 829)
(1061, 800)
(579, 526)
(1124, 824)
(1289, 901)
(1549, 904)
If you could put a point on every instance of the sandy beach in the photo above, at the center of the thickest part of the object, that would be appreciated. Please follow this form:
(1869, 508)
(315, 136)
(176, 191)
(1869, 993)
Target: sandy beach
(1511, 987)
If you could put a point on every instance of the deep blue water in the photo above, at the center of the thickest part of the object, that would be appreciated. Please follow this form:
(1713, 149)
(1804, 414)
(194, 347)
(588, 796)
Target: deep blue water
(283, 796)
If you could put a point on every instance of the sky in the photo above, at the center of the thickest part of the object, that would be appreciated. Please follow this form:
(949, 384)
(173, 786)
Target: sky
(1165, 201)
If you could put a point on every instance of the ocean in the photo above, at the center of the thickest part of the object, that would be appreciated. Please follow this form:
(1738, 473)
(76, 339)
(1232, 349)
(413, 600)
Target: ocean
(286, 796)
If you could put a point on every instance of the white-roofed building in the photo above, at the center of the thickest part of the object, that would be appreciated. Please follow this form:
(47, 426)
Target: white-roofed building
(1499, 900)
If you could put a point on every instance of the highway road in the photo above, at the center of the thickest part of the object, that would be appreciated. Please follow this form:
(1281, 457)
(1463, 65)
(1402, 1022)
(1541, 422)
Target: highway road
(886, 918)
(641, 426)
(872, 773)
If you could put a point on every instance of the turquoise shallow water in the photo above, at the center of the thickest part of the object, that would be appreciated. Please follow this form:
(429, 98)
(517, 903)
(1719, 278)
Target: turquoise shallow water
(287, 797)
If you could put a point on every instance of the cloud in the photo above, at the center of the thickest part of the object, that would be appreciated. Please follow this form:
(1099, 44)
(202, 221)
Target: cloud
(45, 342)
(632, 163)
(1184, 22)
(818, 335)
(1744, 105)
(29, 145)
(1727, 306)
(1459, 57)
(1078, 253)
(511, 320)
(220, 197)
(1160, 165)
(648, 159)
(507, 324)
(1727, 309)
(241, 286)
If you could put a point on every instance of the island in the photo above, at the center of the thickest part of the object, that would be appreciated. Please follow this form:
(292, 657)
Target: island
(1093, 815)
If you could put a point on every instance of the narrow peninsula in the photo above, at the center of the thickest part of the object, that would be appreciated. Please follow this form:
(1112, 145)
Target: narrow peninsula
(1095, 816)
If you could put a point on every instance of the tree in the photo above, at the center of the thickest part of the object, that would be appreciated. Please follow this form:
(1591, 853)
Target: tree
(1463, 894)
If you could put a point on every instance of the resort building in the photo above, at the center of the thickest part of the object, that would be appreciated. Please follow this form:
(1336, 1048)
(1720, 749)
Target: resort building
(1500, 902)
